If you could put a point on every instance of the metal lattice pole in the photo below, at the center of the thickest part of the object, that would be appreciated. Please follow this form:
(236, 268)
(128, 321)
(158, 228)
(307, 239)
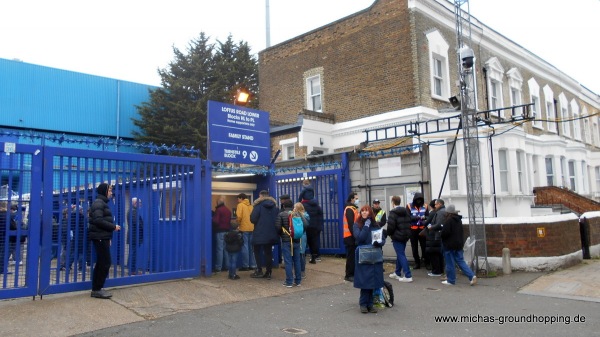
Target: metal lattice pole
(470, 137)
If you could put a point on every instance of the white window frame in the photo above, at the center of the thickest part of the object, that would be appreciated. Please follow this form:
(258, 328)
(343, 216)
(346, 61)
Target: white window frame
(549, 171)
(534, 95)
(564, 115)
(453, 166)
(550, 111)
(563, 171)
(520, 169)
(515, 83)
(572, 176)
(495, 73)
(576, 120)
(290, 151)
(312, 95)
(438, 51)
(503, 170)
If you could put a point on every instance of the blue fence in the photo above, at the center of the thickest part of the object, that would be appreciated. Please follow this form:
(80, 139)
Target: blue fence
(46, 193)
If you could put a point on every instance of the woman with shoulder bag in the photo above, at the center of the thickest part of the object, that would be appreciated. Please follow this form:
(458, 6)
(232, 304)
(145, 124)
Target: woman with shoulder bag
(367, 276)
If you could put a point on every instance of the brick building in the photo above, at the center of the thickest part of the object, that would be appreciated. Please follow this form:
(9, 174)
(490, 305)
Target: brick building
(396, 62)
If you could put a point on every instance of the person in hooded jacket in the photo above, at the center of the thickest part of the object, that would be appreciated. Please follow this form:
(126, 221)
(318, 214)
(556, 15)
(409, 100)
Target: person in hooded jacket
(433, 234)
(101, 228)
(221, 223)
(398, 229)
(315, 227)
(263, 217)
(419, 212)
(452, 239)
(244, 209)
(290, 246)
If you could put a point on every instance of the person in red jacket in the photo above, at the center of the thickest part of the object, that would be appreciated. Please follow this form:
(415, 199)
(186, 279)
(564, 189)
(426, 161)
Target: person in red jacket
(221, 222)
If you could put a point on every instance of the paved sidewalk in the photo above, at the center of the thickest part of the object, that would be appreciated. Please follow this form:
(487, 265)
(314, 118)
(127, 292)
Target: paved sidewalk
(76, 313)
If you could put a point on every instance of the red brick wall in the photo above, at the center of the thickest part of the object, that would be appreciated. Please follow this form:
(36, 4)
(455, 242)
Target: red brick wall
(561, 238)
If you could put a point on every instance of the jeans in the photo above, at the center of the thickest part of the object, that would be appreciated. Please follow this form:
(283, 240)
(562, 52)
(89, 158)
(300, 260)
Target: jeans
(221, 257)
(292, 262)
(401, 260)
(248, 260)
(232, 263)
(366, 298)
(303, 253)
(453, 257)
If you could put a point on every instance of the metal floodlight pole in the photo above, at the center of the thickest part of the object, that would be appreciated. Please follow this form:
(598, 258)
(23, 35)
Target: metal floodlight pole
(468, 93)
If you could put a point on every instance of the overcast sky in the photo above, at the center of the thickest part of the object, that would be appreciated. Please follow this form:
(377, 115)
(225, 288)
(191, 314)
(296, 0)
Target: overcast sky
(131, 39)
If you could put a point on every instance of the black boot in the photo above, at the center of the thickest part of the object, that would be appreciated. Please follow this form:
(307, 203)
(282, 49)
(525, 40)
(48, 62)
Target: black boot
(257, 273)
(267, 275)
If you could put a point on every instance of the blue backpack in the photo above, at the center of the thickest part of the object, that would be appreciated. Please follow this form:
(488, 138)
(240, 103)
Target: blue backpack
(296, 227)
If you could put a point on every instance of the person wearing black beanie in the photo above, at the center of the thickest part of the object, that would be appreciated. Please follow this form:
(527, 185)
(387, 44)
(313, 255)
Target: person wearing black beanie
(100, 233)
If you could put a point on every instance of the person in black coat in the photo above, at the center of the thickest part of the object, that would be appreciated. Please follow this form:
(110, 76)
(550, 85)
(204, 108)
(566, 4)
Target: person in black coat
(136, 235)
(263, 217)
(398, 229)
(315, 227)
(234, 241)
(100, 232)
(452, 239)
(433, 246)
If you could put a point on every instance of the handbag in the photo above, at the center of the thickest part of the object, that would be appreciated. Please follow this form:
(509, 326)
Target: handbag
(369, 255)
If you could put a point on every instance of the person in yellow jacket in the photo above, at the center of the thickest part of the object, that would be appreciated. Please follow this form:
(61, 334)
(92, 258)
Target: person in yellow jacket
(243, 211)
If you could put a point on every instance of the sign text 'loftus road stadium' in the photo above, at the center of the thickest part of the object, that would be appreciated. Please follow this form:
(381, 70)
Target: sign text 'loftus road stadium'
(238, 134)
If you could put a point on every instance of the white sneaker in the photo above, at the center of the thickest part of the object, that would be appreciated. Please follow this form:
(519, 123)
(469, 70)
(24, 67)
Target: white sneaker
(474, 280)
(447, 283)
(394, 276)
(405, 279)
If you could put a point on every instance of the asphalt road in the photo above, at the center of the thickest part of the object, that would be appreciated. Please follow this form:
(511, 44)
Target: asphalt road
(333, 311)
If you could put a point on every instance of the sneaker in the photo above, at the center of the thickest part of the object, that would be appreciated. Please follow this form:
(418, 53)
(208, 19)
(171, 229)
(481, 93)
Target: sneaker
(349, 278)
(474, 280)
(447, 283)
(405, 279)
(312, 261)
(364, 310)
(287, 285)
(318, 259)
(257, 274)
(394, 276)
(303, 275)
(372, 310)
(434, 275)
(101, 294)
(297, 284)
(234, 277)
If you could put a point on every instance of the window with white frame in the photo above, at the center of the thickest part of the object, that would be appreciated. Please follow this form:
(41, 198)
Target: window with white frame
(534, 91)
(564, 115)
(550, 112)
(584, 177)
(597, 170)
(520, 168)
(503, 170)
(515, 82)
(453, 167)
(572, 175)
(549, 172)
(438, 60)
(563, 171)
(576, 121)
(290, 152)
(313, 93)
(495, 73)
(587, 132)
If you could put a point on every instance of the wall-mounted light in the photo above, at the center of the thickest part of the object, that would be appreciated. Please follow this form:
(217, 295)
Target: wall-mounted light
(242, 97)
(321, 141)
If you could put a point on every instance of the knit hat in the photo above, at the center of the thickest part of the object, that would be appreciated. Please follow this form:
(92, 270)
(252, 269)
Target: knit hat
(102, 189)
(451, 209)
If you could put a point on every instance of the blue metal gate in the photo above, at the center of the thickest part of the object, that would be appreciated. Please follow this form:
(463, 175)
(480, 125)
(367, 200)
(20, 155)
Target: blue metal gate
(329, 189)
(53, 189)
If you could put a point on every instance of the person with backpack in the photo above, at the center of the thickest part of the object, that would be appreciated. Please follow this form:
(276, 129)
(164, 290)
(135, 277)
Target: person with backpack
(234, 241)
(291, 225)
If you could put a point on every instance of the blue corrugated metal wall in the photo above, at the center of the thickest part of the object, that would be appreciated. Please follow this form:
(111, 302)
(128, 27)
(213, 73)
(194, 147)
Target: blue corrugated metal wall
(44, 98)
